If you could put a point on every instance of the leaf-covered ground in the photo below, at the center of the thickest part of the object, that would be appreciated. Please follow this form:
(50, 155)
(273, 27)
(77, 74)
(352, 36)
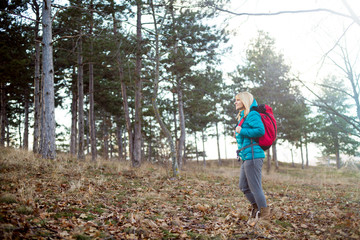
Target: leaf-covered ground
(65, 199)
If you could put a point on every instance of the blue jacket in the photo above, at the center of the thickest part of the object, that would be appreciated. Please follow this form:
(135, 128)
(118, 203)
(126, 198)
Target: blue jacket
(252, 127)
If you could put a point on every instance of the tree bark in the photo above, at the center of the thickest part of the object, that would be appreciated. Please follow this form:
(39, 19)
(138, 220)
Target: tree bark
(74, 111)
(218, 143)
(268, 161)
(37, 77)
(81, 155)
(48, 147)
(182, 125)
(302, 154)
(119, 140)
(138, 89)
(306, 150)
(91, 94)
(3, 114)
(106, 137)
(196, 149)
(203, 143)
(337, 152)
(274, 152)
(26, 125)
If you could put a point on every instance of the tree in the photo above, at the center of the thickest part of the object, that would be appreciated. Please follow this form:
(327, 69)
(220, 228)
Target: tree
(333, 133)
(48, 117)
(37, 107)
(155, 92)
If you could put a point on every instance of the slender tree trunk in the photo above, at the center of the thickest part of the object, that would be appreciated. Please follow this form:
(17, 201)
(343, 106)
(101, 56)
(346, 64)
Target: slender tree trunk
(37, 77)
(174, 114)
(81, 155)
(268, 161)
(292, 158)
(123, 90)
(203, 145)
(306, 150)
(138, 89)
(274, 152)
(91, 93)
(7, 132)
(196, 149)
(226, 157)
(182, 125)
(119, 140)
(74, 113)
(48, 150)
(19, 128)
(106, 137)
(337, 152)
(218, 142)
(26, 125)
(3, 114)
(302, 154)
(165, 130)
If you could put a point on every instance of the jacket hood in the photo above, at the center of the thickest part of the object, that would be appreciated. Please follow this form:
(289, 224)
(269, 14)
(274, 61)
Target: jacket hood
(254, 104)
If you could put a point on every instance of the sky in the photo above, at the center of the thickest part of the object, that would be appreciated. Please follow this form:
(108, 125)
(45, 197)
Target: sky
(302, 38)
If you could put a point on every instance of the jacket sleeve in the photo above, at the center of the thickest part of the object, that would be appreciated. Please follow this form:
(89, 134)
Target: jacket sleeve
(254, 127)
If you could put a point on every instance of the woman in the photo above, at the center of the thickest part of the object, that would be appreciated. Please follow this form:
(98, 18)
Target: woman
(248, 129)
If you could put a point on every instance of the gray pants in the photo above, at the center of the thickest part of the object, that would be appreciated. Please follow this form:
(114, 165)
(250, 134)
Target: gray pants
(250, 181)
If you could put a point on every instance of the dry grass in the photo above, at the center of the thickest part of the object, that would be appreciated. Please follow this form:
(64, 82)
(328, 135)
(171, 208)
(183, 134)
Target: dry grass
(61, 197)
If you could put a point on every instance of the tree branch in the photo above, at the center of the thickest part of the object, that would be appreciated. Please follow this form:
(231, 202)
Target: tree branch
(283, 12)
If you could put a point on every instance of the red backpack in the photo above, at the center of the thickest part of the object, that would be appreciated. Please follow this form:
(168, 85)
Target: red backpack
(267, 117)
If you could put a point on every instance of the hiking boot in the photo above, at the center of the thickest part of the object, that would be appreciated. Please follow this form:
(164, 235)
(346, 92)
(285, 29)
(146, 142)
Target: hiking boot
(261, 216)
(254, 209)
(265, 213)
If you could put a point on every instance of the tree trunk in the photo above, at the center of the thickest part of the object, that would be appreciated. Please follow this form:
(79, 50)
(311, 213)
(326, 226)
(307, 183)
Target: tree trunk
(119, 140)
(182, 125)
(123, 91)
(203, 143)
(337, 152)
(19, 127)
(302, 154)
(91, 93)
(74, 111)
(166, 131)
(37, 107)
(48, 150)
(196, 149)
(292, 158)
(268, 160)
(26, 125)
(274, 152)
(218, 142)
(106, 137)
(306, 151)
(81, 155)
(138, 88)
(3, 114)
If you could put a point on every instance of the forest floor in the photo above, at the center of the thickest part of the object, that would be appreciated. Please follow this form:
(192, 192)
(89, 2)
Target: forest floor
(67, 199)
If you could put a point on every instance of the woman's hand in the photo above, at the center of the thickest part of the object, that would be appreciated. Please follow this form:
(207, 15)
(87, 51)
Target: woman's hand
(238, 129)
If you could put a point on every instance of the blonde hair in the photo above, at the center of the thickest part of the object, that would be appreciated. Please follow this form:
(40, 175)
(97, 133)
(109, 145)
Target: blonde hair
(246, 99)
